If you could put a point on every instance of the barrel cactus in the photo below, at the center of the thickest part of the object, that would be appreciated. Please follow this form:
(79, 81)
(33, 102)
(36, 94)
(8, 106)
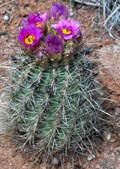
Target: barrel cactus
(56, 99)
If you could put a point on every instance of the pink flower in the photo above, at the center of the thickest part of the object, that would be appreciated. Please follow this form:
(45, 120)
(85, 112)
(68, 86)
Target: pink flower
(29, 36)
(37, 19)
(58, 10)
(67, 28)
(54, 45)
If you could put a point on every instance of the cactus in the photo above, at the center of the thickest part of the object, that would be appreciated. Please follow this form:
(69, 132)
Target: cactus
(54, 108)
(56, 99)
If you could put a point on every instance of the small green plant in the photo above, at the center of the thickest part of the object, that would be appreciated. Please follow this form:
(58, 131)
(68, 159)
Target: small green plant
(56, 100)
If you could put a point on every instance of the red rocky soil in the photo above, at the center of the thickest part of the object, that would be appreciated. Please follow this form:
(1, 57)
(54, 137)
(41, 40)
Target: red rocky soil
(106, 53)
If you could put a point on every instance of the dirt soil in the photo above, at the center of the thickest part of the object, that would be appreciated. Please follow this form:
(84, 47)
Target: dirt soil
(94, 35)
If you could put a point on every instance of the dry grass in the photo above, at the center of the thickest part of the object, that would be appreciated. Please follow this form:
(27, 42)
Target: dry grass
(4, 115)
(111, 14)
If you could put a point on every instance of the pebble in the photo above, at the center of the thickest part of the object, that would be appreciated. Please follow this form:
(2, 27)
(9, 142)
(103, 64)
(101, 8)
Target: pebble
(71, 13)
(107, 135)
(91, 157)
(117, 111)
(55, 161)
(3, 37)
(6, 18)
(44, 168)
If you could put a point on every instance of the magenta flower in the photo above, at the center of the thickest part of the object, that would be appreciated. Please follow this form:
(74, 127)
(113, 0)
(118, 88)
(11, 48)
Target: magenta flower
(54, 45)
(57, 10)
(29, 36)
(36, 19)
(67, 28)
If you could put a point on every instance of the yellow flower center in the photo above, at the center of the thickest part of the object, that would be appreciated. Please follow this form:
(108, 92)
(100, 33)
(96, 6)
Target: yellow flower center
(38, 24)
(66, 31)
(29, 39)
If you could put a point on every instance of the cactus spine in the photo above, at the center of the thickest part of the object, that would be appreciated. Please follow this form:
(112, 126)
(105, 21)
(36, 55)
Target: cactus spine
(54, 108)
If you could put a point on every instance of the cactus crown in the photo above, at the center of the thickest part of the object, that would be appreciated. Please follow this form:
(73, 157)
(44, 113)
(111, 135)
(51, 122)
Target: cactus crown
(50, 36)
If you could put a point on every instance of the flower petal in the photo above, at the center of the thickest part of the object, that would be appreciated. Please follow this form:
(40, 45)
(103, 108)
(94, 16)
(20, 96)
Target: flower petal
(58, 10)
(67, 28)
(30, 34)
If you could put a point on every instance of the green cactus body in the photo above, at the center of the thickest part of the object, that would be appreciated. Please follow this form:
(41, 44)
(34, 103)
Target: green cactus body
(54, 108)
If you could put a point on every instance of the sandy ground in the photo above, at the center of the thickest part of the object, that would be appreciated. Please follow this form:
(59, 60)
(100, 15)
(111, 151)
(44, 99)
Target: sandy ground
(93, 35)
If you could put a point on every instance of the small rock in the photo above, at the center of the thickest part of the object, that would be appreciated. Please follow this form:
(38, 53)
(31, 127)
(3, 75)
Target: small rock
(55, 161)
(117, 111)
(44, 168)
(2, 37)
(107, 135)
(91, 157)
(6, 18)
(71, 13)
